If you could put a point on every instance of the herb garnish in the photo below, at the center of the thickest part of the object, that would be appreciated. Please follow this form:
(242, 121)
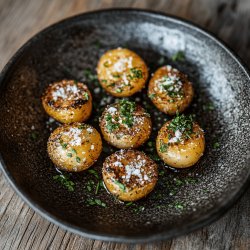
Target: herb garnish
(106, 64)
(110, 125)
(34, 136)
(179, 56)
(179, 206)
(69, 154)
(163, 147)
(216, 145)
(97, 202)
(86, 96)
(78, 159)
(93, 172)
(126, 110)
(121, 186)
(152, 96)
(64, 180)
(182, 123)
(63, 144)
(135, 74)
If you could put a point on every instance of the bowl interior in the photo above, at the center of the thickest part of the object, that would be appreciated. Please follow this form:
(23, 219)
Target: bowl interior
(71, 50)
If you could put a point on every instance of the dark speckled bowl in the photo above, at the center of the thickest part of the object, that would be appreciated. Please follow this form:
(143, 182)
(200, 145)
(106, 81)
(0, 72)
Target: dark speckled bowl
(183, 200)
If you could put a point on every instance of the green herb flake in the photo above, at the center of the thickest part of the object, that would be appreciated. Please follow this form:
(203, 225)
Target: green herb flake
(179, 56)
(161, 173)
(121, 186)
(86, 96)
(127, 109)
(74, 151)
(139, 209)
(93, 172)
(78, 159)
(129, 203)
(65, 181)
(163, 147)
(119, 90)
(179, 206)
(182, 123)
(69, 154)
(34, 136)
(135, 74)
(106, 64)
(82, 126)
(152, 96)
(216, 145)
(208, 107)
(98, 202)
(104, 81)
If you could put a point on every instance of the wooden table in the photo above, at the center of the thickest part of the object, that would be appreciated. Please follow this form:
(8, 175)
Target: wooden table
(20, 226)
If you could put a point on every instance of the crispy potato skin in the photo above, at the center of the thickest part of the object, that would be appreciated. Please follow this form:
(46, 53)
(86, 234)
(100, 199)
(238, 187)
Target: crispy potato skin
(71, 107)
(114, 72)
(115, 175)
(74, 147)
(181, 154)
(161, 99)
(127, 137)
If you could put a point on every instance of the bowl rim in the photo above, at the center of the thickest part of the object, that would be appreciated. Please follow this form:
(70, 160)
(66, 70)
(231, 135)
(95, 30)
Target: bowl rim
(164, 235)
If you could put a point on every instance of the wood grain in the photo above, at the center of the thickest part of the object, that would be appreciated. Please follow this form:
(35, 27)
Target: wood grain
(20, 226)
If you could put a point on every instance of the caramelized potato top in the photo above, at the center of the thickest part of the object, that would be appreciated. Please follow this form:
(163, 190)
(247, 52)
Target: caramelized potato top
(66, 94)
(131, 168)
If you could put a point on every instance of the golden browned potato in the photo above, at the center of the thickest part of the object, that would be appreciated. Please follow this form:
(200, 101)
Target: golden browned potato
(68, 101)
(180, 142)
(125, 124)
(121, 72)
(170, 90)
(129, 174)
(74, 147)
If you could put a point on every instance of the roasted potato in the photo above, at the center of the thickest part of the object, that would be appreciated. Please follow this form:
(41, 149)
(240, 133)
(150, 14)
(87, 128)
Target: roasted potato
(121, 72)
(74, 147)
(180, 142)
(68, 101)
(129, 174)
(170, 90)
(125, 124)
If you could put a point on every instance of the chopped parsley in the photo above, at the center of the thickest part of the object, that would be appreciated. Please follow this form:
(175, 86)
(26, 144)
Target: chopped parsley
(93, 172)
(86, 96)
(98, 202)
(78, 159)
(182, 123)
(34, 136)
(139, 209)
(69, 154)
(106, 64)
(82, 126)
(74, 151)
(63, 144)
(110, 125)
(126, 110)
(179, 56)
(179, 206)
(121, 186)
(152, 96)
(208, 107)
(65, 181)
(135, 74)
(216, 145)
(119, 90)
(163, 147)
